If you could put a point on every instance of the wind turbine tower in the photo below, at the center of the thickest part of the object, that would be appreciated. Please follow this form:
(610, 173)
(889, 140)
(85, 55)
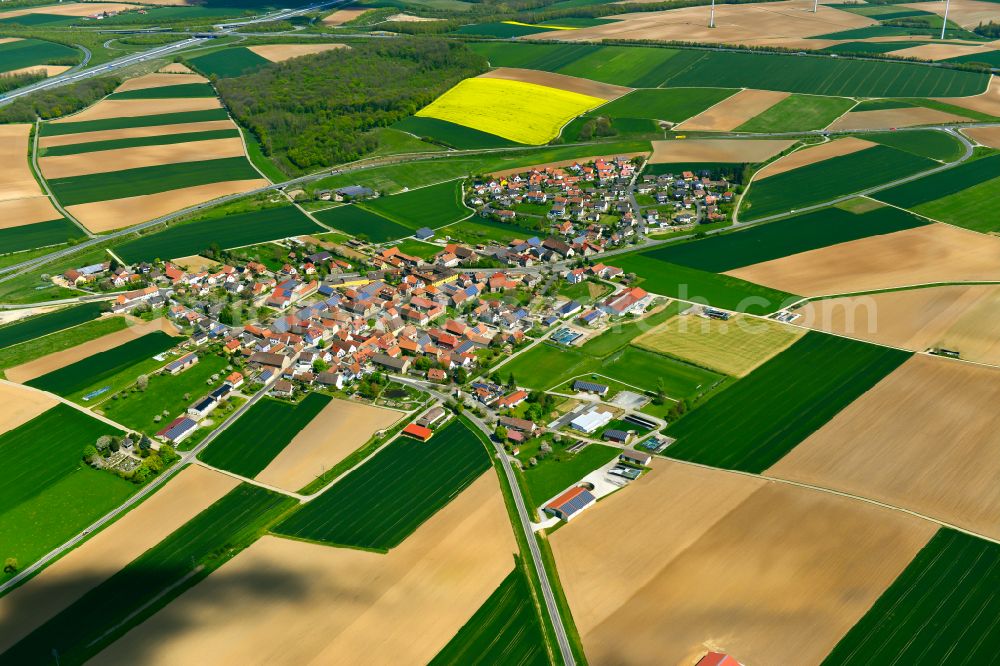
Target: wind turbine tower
(944, 24)
(711, 16)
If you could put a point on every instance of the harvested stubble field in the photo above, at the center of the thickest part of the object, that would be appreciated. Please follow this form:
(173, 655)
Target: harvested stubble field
(283, 52)
(958, 317)
(340, 429)
(941, 609)
(810, 565)
(69, 578)
(717, 150)
(382, 502)
(733, 347)
(270, 425)
(812, 155)
(70, 9)
(925, 438)
(924, 255)
(792, 396)
(320, 604)
(733, 111)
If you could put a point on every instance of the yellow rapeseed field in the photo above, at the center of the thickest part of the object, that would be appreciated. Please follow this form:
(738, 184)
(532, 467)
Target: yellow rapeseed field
(515, 110)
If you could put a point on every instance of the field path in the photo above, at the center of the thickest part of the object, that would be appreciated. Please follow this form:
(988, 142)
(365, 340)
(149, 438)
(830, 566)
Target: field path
(69, 403)
(265, 486)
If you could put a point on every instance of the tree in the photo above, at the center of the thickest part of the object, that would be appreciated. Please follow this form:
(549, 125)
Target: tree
(89, 453)
(103, 442)
(511, 382)
(501, 433)
(142, 382)
(319, 365)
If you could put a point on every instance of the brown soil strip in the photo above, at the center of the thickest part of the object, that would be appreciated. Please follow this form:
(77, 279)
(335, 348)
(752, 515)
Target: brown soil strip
(288, 602)
(962, 318)
(283, 52)
(19, 212)
(966, 13)
(771, 574)
(195, 263)
(159, 80)
(561, 81)
(7, 40)
(939, 51)
(16, 181)
(71, 9)
(50, 70)
(774, 23)
(888, 118)
(336, 432)
(46, 364)
(812, 155)
(342, 16)
(101, 216)
(932, 253)
(134, 133)
(987, 102)
(410, 18)
(988, 136)
(926, 438)
(176, 68)
(733, 111)
(83, 568)
(20, 405)
(717, 150)
(564, 163)
(119, 159)
(130, 108)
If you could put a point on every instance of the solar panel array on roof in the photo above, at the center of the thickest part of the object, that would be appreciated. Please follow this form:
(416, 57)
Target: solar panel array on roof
(578, 503)
(617, 435)
(580, 385)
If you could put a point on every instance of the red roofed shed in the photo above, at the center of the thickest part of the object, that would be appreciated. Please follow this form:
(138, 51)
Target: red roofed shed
(418, 432)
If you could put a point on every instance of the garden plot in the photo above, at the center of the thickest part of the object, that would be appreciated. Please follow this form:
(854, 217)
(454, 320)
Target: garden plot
(717, 150)
(734, 111)
(810, 565)
(926, 438)
(575, 84)
(923, 255)
(70, 577)
(319, 605)
(283, 52)
(812, 155)
(336, 432)
(910, 116)
(957, 317)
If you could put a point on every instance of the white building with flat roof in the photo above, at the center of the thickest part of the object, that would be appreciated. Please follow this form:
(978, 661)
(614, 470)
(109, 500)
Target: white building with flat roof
(591, 420)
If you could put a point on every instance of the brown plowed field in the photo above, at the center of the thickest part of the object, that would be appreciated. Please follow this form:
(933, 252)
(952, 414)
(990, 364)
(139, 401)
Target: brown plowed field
(812, 155)
(768, 572)
(134, 133)
(18, 212)
(733, 111)
(159, 80)
(176, 68)
(50, 70)
(940, 51)
(21, 404)
(987, 102)
(988, 136)
(932, 253)
(886, 118)
(16, 180)
(130, 108)
(283, 52)
(289, 602)
(926, 438)
(342, 16)
(119, 159)
(966, 13)
(561, 81)
(717, 150)
(70, 9)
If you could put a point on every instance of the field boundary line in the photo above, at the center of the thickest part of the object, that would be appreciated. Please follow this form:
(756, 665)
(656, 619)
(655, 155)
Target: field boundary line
(37, 173)
(244, 479)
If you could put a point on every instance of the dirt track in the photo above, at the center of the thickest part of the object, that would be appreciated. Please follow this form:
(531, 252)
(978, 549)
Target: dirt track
(733, 111)
(572, 83)
(717, 150)
(812, 155)
(289, 602)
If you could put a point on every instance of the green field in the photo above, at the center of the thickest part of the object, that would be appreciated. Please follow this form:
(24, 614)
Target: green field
(649, 67)
(357, 221)
(237, 230)
(64, 339)
(228, 62)
(152, 580)
(552, 476)
(416, 248)
(791, 235)
(942, 609)
(480, 230)
(101, 369)
(59, 129)
(500, 30)
(623, 332)
(165, 393)
(925, 143)
(754, 423)
(39, 234)
(829, 179)
(432, 206)
(673, 104)
(798, 113)
(30, 52)
(135, 142)
(973, 208)
(50, 322)
(47, 493)
(379, 504)
(186, 90)
(451, 134)
(505, 630)
(149, 180)
(257, 437)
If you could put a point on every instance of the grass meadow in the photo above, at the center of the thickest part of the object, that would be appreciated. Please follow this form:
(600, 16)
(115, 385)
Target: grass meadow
(357, 221)
(432, 206)
(798, 113)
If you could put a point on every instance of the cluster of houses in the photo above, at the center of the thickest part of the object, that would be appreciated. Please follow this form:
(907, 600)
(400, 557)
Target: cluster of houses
(184, 425)
(683, 194)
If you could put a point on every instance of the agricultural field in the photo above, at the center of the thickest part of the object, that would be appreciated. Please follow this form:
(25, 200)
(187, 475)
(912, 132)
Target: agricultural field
(734, 111)
(551, 476)
(516, 110)
(100, 557)
(164, 143)
(187, 555)
(793, 395)
(734, 347)
(432, 206)
(227, 63)
(317, 603)
(107, 368)
(829, 179)
(798, 113)
(38, 326)
(19, 56)
(671, 104)
(941, 608)
(887, 444)
(49, 494)
(504, 630)
(676, 589)
(269, 425)
(382, 502)
(357, 221)
(29, 350)
(450, 134)
(237, 230)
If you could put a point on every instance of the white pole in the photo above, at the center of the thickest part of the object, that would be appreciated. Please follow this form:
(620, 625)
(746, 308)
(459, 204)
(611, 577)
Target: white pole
(944, 24)
(711, 16)
(815, 5)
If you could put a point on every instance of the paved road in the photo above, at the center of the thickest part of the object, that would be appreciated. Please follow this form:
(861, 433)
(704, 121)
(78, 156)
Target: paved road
(562, 638)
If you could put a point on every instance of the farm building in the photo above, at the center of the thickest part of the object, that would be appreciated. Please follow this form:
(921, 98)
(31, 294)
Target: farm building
(617, 436)
(178, 429)
(568, 505)
(590, 387)
(183, 363)
(512, 400)
(203, 407)
(635, 457)
(235, 380)
(521, 425)
(418, 432)
(591, 420)
(431, 417)
(283, 388)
